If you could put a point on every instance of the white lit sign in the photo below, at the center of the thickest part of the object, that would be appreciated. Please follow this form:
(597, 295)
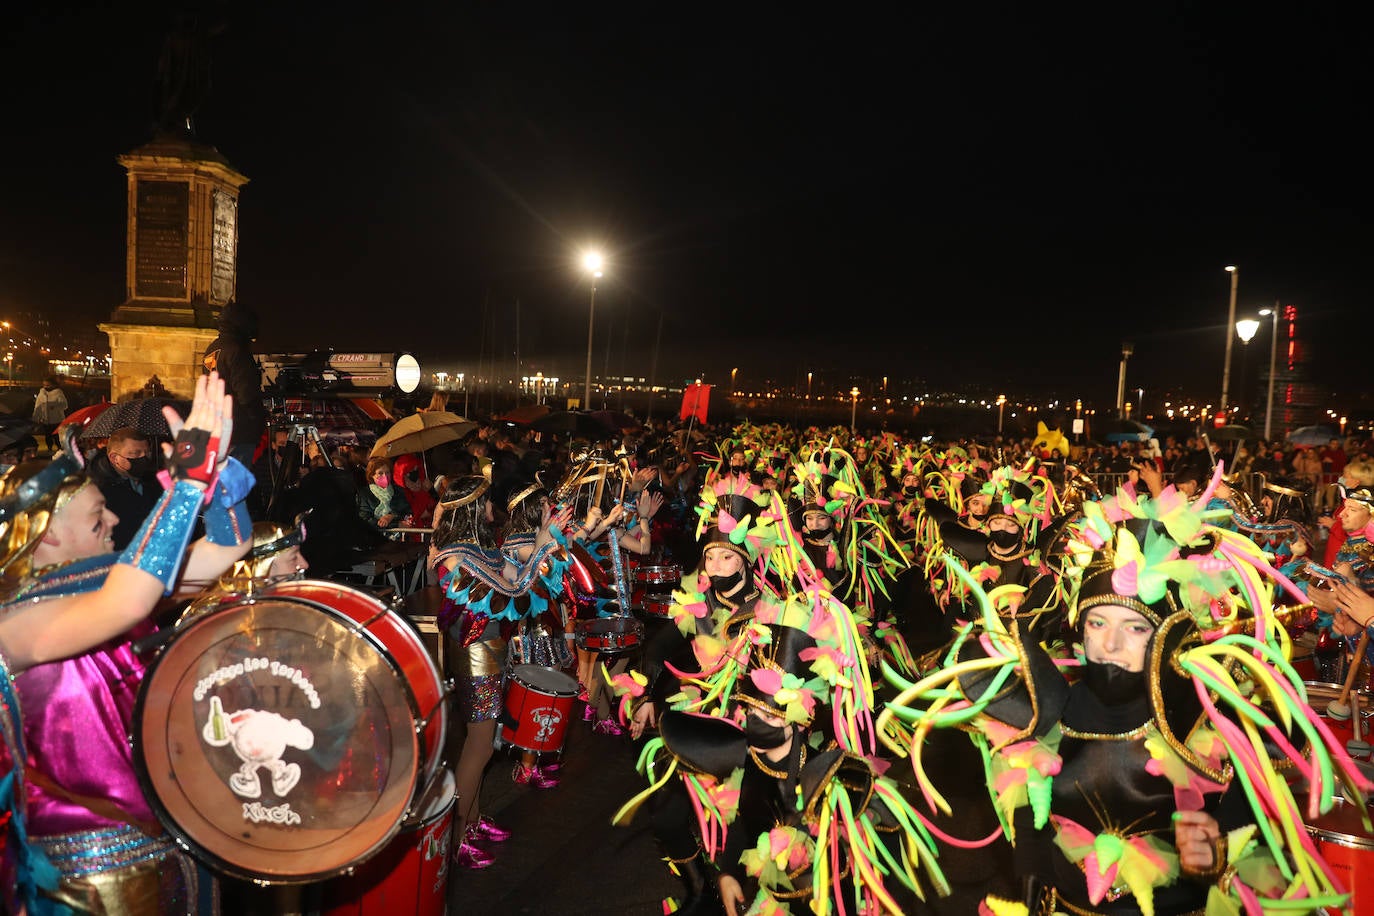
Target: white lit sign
(407, 373)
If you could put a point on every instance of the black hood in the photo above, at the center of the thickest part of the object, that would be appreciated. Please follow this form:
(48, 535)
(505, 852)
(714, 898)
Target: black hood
(239, 320)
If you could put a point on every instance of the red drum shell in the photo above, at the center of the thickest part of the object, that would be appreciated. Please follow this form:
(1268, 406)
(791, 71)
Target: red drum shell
(659, 575)
(539, 702)
(608, 634)
(279, 737)
(1346, 845)
(1304, 663)
(411, 874)
(658, 605)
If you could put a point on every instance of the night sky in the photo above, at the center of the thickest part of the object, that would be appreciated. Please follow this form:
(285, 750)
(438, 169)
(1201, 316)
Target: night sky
(998, 197)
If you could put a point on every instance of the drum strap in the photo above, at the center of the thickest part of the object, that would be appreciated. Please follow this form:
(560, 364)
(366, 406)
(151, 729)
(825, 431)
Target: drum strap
(99, 806)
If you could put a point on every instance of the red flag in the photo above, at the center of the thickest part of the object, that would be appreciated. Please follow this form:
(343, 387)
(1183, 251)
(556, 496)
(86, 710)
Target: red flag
(696, 398)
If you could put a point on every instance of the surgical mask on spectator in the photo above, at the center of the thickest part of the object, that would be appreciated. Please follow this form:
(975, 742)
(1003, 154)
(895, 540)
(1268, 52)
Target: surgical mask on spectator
(382, 480)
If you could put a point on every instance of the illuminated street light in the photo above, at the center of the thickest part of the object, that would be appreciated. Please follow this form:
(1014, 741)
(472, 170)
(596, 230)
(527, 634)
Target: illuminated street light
(1230, 322)
(732, 379)
(1001, 405)
(808, 386)
(853, 409)
(591, 262)
(1126, 350)
(1273, 313)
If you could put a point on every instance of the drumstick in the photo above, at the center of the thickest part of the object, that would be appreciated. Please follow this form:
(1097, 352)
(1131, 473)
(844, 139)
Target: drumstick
(1339, 708)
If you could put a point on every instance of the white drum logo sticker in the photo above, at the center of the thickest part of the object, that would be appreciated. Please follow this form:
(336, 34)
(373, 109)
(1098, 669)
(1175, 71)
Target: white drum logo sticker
(546, 717)
(259, 738)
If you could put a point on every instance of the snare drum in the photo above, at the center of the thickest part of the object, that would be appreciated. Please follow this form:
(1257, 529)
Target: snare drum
(659, 578)
(411, 874)
(1319, 694)
(286, 736)
(539, 703)
(609, 635)
(1346, 846)
(657, 605)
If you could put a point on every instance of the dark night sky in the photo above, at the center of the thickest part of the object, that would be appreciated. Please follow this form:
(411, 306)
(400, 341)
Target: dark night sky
(999, 197)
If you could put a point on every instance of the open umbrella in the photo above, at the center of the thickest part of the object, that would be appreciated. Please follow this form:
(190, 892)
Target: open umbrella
(83, 417)
(421, 431)
(615, 419)
(1312, 435)
(1125, 431)
(144, 415)
(573, 423)
(526, 414)
(1231, 432)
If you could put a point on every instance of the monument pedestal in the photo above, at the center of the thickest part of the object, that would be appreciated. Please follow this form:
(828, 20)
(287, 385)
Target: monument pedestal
(181, 267)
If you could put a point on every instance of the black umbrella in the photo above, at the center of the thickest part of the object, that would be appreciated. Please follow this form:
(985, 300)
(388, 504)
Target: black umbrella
(572, 423)
(1231, 432)
(144, 415)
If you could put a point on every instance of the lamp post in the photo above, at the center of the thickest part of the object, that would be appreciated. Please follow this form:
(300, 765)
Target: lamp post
(1246, 329)
(1230, 323)
(1273, 313)
(1126, 350)
(1001, 404)
(591, 261)
(808, 386)
(732, 380)
(854, 410)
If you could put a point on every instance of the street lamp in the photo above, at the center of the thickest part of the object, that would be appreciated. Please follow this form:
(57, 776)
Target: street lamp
(853, 410)
(1001, 404)
(1126, 350)
(591, 262)
(1230, 322)
(732, 380)
(1273, 313)
(808, 386)
(1246, 329)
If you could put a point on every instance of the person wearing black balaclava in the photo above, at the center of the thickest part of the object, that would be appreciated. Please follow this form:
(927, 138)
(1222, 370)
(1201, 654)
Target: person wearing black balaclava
(126, 474)
(231, 354)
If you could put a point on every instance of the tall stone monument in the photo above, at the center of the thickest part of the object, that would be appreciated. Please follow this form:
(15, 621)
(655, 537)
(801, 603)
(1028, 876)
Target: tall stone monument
(183, 230)
(181, 265)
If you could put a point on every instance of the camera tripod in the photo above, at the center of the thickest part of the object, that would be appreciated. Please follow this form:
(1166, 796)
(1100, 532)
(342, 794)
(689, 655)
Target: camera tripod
(298, 435)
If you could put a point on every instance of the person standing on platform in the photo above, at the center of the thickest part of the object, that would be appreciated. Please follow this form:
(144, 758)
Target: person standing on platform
(49, 409)
(231, 355)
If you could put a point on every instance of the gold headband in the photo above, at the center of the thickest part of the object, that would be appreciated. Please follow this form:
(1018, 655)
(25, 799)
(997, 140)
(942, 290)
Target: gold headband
(468, 500)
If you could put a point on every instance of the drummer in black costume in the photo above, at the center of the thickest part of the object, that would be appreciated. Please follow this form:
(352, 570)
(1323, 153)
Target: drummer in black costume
(480, 586)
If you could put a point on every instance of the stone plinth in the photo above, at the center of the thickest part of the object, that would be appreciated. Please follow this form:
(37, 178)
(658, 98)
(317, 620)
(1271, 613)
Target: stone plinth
(182, 263)
(140, 351)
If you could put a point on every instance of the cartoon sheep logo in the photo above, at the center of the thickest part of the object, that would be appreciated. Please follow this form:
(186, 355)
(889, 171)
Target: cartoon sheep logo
(260, 738)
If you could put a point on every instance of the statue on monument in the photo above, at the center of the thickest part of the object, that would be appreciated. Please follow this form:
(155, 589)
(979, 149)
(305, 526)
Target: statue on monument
(184, 73)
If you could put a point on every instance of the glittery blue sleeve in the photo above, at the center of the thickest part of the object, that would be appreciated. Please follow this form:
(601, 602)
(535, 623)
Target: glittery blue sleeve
(160, 544)
(226, 518)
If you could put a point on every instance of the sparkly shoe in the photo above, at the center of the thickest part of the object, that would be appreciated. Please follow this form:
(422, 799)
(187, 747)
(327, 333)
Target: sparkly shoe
(487, 830)
(588, 714)
(608, 726)
(545, 778)
(469, 856)
(531, 776)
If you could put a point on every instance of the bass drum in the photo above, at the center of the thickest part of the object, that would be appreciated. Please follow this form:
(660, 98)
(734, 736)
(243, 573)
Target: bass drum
(284, 737)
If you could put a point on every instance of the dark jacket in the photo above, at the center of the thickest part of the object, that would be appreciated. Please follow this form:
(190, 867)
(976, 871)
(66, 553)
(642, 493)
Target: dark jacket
(129, 499)
(368, 505)
(231, 353)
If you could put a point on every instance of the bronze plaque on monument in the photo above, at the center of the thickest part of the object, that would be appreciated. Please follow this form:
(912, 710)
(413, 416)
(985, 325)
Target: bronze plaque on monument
(224, 248)
(160, 239)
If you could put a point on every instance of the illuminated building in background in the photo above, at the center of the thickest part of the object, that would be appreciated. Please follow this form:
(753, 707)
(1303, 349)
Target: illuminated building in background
(1297, 401)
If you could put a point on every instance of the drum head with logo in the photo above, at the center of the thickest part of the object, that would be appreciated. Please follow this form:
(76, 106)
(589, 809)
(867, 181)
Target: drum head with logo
(546, 680)
(277, 738)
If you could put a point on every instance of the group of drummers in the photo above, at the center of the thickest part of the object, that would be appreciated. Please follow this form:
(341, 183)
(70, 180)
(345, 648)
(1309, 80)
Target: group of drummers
(869, 676)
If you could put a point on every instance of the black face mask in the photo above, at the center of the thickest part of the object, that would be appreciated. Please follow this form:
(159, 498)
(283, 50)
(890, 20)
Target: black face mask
(980, 516)
(141, 467)
(722, 585)
(1114, 685)
(1004, 540)
(738, 469)
(909, 492)
(763, 736)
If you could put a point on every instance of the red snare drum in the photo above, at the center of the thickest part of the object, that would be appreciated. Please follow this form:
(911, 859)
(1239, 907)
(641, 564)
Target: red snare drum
(609, 634)
(1347, 847)
(657, 605)
(284, 737)
(1304, 663)
(659, 578)
(539, 703)
(411, 874)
